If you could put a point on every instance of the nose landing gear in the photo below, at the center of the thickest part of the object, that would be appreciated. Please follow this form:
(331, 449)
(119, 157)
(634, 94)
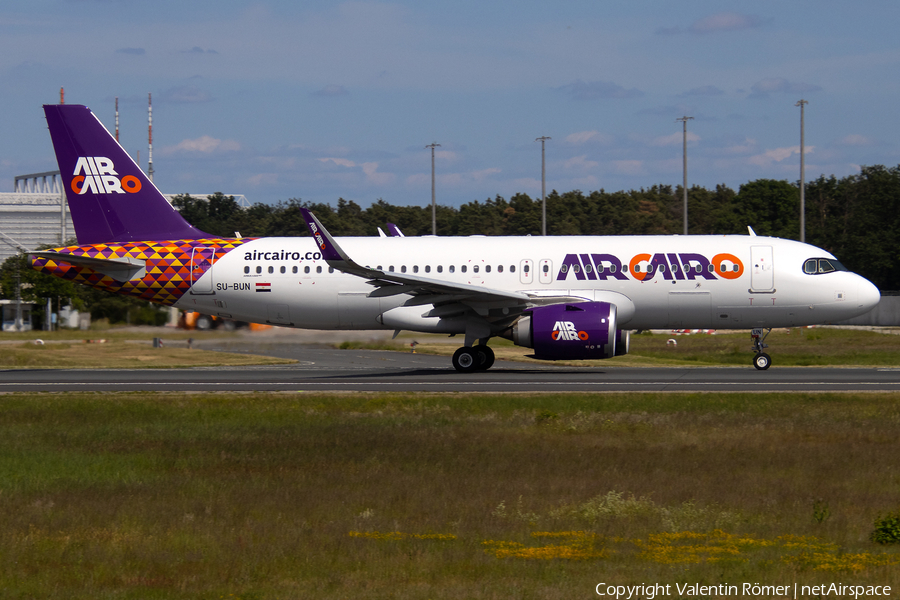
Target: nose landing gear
(761, 361)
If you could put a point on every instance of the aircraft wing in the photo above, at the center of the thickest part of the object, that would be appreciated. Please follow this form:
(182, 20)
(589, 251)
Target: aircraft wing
(425, 290)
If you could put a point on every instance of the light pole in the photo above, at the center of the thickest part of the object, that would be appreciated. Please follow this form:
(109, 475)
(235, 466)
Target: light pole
(543, 139)
(801, 104)
(684, 120)
(433, 145)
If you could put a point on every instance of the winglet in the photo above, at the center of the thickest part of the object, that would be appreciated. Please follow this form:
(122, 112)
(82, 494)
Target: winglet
(330, 250)
(751, 232)
(333, 254)
(394, 230)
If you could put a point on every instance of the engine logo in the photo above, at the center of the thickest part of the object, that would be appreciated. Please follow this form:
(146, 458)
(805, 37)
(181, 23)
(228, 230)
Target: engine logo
(565, 331)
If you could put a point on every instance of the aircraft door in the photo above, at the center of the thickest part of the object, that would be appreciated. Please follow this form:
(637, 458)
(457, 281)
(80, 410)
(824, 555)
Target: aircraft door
(202, 260)
(545, 271)
(762, 271)
(526, 268)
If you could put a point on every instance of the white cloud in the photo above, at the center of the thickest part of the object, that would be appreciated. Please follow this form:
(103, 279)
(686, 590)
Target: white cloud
(725, 21)
(448, 155)
(675, 139)
(374, 177)
(341, 162)
(484, 173)
(746, 147)
(780, 85)
(204, 144)
(855, 139)
(580, 163)
(777, 155)
(597, 90)
(585, 137)
(628, 167)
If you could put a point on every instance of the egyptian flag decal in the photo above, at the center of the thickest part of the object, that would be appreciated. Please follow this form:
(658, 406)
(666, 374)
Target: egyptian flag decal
(263, 287)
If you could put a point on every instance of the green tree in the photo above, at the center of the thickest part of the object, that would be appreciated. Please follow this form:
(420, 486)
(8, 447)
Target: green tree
(769, 206)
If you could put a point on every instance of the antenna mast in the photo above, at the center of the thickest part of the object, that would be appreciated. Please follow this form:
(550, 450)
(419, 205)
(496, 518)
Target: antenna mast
(117, 118)
(150, 133)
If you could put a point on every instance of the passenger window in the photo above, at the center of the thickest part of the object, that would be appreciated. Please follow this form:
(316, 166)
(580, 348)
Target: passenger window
(415, 268)
(318, 269)
(271, 269)
(403, 268)
(662, 268)
(527, 268)
(452, 269)
(499, 268)
(710, 268)
(379, 267)
(283, 269)
(462, 269)
(487, 268)
(475, 268)
(294, 269)
(258, 270)
(306, 269)
(246, 270)
(440, 269)
(612, 268)
(331, 269)
(428, 268)
(512, 268)
(588, 268)
(734, 268)
(575, 268)
(600, 268)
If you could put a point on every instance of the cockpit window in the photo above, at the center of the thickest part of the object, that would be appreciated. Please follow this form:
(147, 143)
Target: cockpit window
(818, 266)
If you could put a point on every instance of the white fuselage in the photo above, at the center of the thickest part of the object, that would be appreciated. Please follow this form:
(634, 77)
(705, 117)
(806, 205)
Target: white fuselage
(723, 282)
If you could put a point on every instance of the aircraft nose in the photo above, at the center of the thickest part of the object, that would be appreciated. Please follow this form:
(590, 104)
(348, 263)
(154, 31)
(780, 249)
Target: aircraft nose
(868, 295)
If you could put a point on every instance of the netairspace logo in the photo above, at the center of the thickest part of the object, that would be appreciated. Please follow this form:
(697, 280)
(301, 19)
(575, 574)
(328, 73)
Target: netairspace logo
(565, 331)
(97, 174)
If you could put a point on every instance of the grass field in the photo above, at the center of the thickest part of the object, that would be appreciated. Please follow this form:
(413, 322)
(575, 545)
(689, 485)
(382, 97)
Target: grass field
(298, 495)
(119, 354)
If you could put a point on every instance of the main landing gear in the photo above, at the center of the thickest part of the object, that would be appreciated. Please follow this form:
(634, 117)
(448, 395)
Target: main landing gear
(761, 361)
(473, 358)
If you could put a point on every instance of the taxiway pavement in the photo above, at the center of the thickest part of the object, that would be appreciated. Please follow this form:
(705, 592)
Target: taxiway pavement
(327, 369)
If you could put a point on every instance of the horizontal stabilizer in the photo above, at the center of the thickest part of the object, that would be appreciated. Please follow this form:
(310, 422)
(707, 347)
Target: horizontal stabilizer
(120, 269)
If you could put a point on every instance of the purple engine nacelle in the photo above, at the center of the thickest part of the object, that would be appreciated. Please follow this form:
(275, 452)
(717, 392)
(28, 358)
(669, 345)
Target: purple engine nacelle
(577, 331)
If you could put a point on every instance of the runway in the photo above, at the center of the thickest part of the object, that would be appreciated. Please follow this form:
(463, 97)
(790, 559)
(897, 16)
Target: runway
(329, 370)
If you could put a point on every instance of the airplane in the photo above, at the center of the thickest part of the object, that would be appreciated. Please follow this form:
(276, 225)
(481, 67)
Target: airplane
(567, 298)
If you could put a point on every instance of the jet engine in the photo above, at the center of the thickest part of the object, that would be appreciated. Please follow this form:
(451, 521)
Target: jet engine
(577, 331)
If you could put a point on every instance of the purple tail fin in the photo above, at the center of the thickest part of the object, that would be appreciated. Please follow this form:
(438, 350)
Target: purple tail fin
(110, 198)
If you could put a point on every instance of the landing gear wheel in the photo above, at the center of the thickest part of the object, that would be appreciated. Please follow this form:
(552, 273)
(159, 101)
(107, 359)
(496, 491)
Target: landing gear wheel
(485, 357)
(762, 361)
(466, 360)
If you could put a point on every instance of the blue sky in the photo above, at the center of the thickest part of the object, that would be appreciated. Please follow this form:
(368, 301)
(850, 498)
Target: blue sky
(321, 100)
